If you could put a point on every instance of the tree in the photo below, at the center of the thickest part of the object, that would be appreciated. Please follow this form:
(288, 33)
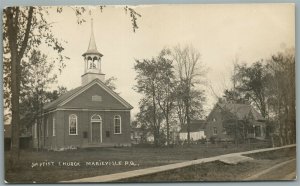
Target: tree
(24, 29)
(110, 82)
(36, 80)
(155, 81)
(281, 94)
(190, 73)
(251, 82)
(165, 81)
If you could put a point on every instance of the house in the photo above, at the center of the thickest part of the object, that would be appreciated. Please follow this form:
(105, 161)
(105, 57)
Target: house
(236, 114)
(91, 115)
(197, 130)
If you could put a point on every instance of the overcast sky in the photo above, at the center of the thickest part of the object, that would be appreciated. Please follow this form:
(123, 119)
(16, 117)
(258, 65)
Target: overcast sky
(219, 32)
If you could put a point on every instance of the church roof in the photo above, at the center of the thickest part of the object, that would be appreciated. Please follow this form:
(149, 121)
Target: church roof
(92, 49)
(68, 96)
(61, 98)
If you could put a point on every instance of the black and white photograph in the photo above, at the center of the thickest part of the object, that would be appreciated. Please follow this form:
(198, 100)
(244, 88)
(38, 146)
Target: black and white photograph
(149, 93)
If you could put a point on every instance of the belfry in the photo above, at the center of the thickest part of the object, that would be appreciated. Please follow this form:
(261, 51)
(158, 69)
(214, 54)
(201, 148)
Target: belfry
(92, 61)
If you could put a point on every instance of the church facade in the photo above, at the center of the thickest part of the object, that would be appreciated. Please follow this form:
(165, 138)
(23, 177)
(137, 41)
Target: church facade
(91, 115)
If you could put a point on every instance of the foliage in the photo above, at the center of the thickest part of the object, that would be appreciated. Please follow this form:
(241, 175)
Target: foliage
(251, 82)
(36, 79)
(169, 91)
(282, 94)
(154, 79)
(269, 85)
(110, 82)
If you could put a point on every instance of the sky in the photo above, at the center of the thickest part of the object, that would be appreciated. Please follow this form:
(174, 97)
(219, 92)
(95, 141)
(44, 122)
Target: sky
(221, 33)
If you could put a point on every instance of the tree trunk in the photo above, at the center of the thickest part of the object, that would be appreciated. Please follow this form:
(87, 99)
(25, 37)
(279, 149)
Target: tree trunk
(187, 113)
(15, 88)
(168, 130)
(12, 23)
(15, 93)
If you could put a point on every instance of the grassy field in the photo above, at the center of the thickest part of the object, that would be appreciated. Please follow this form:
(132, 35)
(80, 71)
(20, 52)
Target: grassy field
(218, 171)
(51, 167)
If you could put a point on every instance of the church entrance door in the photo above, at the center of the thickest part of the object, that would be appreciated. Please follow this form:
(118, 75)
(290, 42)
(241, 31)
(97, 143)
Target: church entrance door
(96, 129)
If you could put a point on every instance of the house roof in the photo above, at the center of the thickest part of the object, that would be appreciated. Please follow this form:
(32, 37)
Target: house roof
(195, 126)
(242, 111)
(68, 96)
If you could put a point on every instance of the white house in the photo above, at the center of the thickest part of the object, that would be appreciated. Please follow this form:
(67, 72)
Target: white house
(197, 130)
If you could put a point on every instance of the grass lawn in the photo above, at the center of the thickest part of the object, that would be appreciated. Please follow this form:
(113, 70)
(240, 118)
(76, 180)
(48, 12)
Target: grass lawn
(51, 167)
(218, 171)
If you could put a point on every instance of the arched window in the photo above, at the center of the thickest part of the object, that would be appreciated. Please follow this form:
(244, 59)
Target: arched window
(90, 63)
(73, 124)
(117, 122)
(95, 61)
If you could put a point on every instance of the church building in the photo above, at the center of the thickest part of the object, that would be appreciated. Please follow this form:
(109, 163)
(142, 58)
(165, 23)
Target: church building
(91, 115)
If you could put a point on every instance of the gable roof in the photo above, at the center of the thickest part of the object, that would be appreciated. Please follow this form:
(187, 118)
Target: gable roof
(61, 98)
(195, 126)
(70, 95)
(241, 111)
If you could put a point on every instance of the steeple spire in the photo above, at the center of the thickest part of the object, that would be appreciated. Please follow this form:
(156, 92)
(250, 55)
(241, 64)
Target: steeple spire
(92, 49)
(92, 61)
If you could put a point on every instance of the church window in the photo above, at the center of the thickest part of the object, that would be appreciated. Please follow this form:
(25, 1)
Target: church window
(91, 63)
(117, 122)
(73, 124)
(215, 131)
(95, 60)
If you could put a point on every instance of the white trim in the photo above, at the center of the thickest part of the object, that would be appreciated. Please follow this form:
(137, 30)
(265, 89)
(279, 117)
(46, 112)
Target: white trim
(35, 130)
(88, 110)
(115, 124)
(102, 85)
(47, 128)
(76, 124)
(53, 126)
(96, 120)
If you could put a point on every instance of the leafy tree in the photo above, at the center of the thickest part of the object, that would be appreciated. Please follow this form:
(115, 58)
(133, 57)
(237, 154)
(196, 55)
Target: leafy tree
(146, 118)
(110, 82)
(234, 96)
(154, 81)
(165, 81)
(251, 82)
(270, 86)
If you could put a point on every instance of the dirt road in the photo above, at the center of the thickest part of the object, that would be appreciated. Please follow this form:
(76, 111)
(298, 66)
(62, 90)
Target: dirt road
(283, 171)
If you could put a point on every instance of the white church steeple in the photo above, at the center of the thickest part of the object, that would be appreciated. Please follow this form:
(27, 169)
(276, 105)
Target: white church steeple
(92, 61)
